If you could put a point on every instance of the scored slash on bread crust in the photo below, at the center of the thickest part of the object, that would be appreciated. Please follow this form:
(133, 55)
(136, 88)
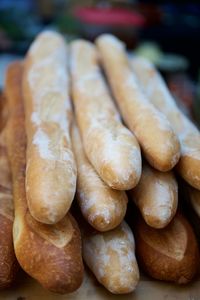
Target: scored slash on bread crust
(103, 207)
(47, 240)
(110, 147)
(169, 254)
(51, 169)
(49, 253)
(157, 139)
(157, 92)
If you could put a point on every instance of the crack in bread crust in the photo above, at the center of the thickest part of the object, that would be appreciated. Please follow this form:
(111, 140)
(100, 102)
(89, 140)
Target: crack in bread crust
(59, 234)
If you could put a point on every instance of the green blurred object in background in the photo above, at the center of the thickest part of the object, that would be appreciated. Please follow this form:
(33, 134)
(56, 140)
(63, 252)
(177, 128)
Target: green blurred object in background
(17, 29)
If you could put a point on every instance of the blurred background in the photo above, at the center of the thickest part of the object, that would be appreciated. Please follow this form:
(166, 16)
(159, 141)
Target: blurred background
(166, 32)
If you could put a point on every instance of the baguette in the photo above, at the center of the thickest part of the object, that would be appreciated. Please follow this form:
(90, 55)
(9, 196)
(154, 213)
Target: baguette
(156, 196)
(110, 147)
(103, 207)
(189, 136)
(169, 254)
(8, 262)
(111, 257)
(156, 137)
(49, 253)
(51, 169)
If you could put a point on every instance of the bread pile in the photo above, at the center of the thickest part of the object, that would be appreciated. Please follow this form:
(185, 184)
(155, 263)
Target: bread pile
(85, 125)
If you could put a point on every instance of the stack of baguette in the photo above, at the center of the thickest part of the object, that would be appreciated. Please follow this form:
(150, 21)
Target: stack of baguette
(85, 125)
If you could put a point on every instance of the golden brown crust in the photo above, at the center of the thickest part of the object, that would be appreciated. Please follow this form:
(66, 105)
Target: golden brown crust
(169, 254)
(49, 253)
(189, 169)
(110, 147)
(158, 141)
(5, 176)
(111, 257)
(103, 207)
(156, 196)
(8, 262)
(189, 136)
(51, 168)
(56, 263)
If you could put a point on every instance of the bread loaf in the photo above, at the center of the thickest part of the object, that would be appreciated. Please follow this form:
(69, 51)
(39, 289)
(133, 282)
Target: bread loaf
(156, 196)
(189, 136)
(110, 147)
(51, 169)
(103, 207)
(157, 139)
(111, 257)
(49, 253)
(169, 254)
